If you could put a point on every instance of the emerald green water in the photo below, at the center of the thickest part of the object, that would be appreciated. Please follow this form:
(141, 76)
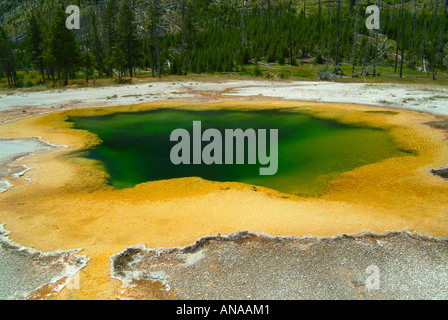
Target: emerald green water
(136, 147)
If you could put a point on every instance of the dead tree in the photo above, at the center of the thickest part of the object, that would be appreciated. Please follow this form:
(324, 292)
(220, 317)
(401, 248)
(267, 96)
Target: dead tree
(398, 35)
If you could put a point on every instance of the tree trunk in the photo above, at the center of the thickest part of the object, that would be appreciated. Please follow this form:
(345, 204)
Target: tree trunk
(436, 7)
(403, 26)
(155, 34)
(367, 53)
(438, 50)
(355, 36)
(65, 76)
(187, 60)
(290, 45)
(376, 54)
(376, 45)
(243, 18)
(337, 43)
(414, 23)
(42, 71)
(425, 31)
(131, 64)
(158, 58)
(184, 44)
(398, 36)
(151, 60)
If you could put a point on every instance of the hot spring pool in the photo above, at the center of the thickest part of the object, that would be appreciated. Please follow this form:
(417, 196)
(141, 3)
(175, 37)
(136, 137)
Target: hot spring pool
(136, 147)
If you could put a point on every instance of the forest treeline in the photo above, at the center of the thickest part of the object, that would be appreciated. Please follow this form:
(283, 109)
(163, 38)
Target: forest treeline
(208, 36)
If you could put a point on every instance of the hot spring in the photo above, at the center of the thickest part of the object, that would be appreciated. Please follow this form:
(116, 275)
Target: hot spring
(135, 147)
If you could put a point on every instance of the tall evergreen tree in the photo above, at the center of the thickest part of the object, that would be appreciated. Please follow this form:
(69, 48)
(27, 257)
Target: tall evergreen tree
(47, 52)
(7, 58)
(87, 60)
(355, 35)
(187, 30)
(96, 47)
(110, 33)
(62, 44)
(154, 14)
(127, 31)
(35, 44)
(338, 35)
(119, 61)
(223, 36)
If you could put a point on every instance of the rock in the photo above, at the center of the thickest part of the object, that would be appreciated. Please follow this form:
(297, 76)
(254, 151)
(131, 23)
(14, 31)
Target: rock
(442, 172)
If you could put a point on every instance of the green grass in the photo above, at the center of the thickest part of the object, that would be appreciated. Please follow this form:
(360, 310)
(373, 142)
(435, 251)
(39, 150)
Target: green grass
(272, 71)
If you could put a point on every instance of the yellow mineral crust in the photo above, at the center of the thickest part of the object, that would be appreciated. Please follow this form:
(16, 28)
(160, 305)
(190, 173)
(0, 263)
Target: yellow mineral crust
(68, 205)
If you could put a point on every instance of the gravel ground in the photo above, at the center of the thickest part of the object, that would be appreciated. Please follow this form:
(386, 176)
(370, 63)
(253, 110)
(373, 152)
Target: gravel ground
(427, 98)
(394, 265)
(24, 271)
(13, 149)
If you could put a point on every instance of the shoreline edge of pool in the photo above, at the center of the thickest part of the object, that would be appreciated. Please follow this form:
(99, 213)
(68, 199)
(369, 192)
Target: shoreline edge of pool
(77, 209)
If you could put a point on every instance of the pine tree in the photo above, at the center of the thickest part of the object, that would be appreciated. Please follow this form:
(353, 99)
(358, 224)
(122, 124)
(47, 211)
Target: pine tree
(34, 41)
(338, 35)
(96, 47)
(7, 58)
(88, 62)
(110, 33)
(118, 60)
(62, 44)
(355, 34)
(155, 13)
(47, 55)
(127, 31)
(438, 53)
(187, 31)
